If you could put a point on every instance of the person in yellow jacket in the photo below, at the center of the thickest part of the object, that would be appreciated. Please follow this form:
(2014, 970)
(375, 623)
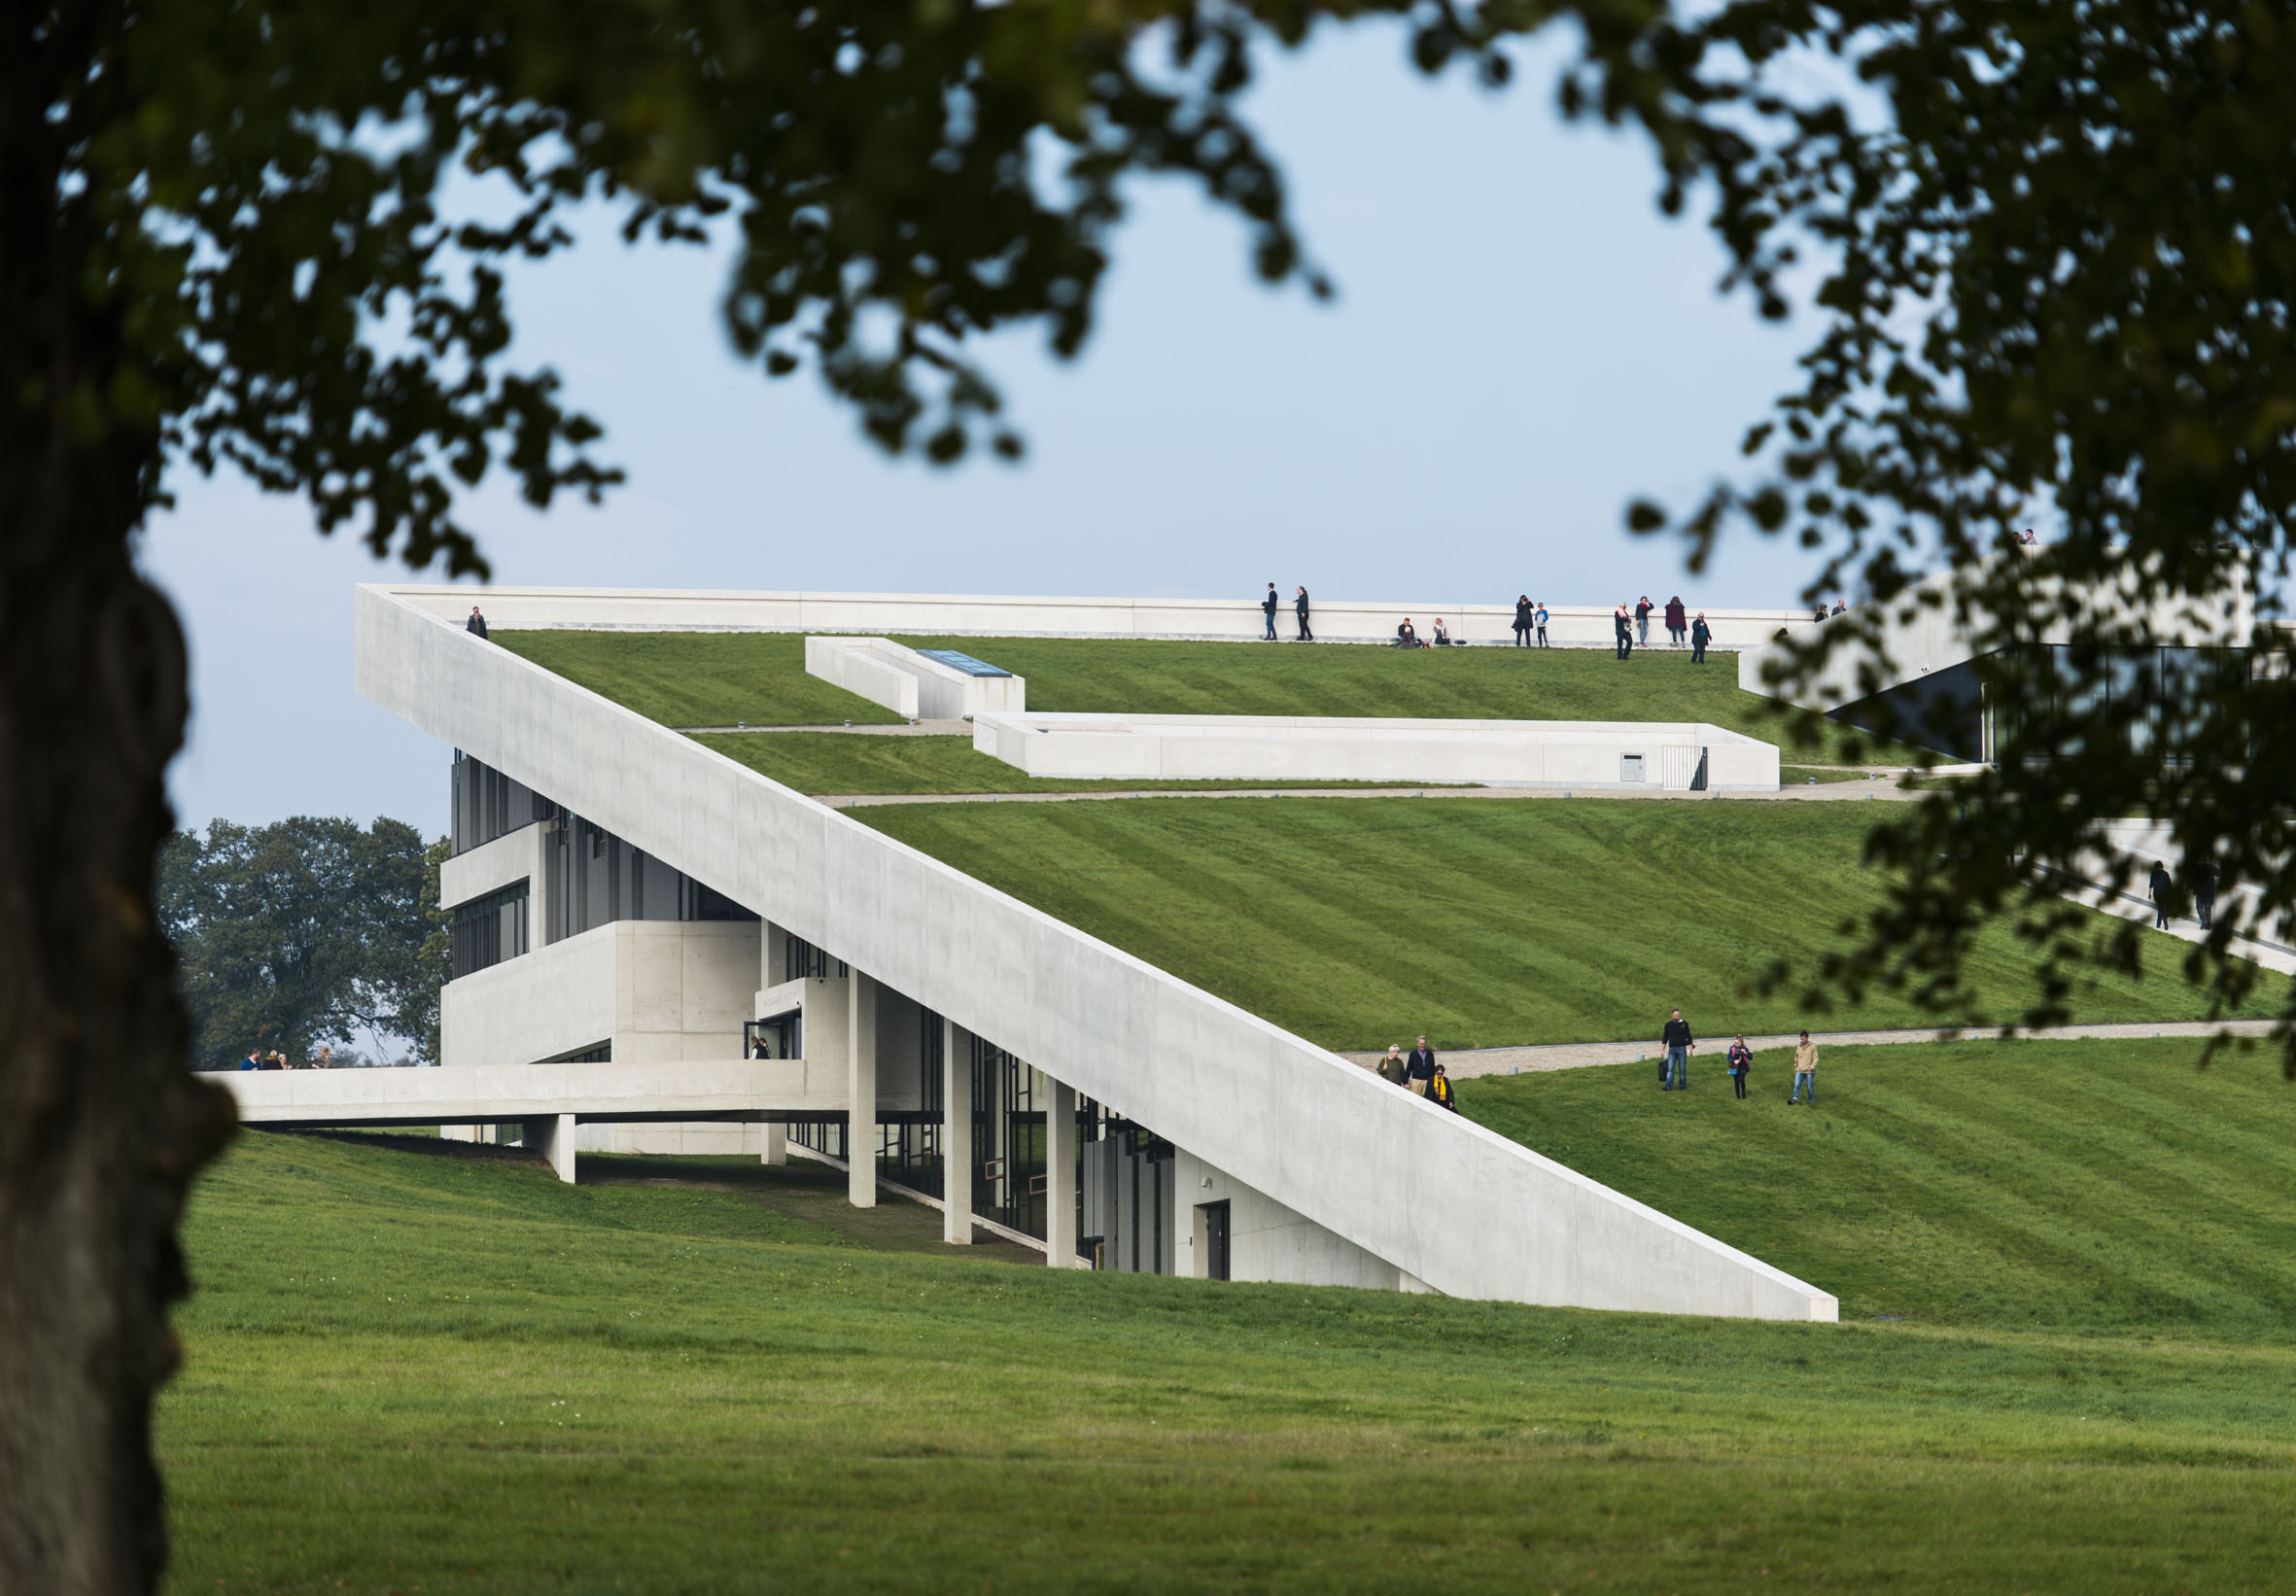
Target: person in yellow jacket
(1439, 1091)
(1805, 1071)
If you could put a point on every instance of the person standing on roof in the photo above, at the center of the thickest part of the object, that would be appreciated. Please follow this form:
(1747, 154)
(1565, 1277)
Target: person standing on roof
(1700, 636)
(1392, 1068)
(1439, 1091)
(1741, 1061)
(1678, 621)
(1523, 621)
(1624, 631)
(1419, 1068)
(1805, 1071)
(2163, 889)
(2200, 876)
(1641, 621)
(1676, 1039)
(1539, 619)
(1268, 608)
(1299, 604)
(476, 624)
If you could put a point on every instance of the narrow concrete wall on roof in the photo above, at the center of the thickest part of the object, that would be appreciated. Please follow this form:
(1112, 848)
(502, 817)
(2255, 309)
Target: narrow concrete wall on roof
(1444, 1200)
(908, 682)
(980, 615)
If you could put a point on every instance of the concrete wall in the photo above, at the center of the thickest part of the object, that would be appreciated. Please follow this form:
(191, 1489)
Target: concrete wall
(1267, 1241)
(1556, 753)
(456, 1094)
(939, 614)
(906, 682)
(658, 990)
(512, 857)
(1447, 1201)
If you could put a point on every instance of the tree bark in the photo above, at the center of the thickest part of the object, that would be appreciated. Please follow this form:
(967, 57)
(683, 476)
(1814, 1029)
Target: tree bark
(101, 1125)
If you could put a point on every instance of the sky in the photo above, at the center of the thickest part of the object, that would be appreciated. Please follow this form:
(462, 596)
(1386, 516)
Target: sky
(1521, 345)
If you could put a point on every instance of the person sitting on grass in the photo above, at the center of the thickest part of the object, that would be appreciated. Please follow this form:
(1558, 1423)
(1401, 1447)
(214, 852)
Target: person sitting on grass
(1405, 636)
(1805, 1070)
(1439, 1090)
(1443, 635)
(1741, 1056)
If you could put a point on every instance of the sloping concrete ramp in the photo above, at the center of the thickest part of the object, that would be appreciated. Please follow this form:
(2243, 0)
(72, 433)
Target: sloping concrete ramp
(1458, 1207)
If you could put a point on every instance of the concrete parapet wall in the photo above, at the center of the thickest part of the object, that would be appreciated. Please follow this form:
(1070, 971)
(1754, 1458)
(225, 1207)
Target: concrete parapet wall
(1594, 755)
(738, 1089)
(1441, 1199)
(981, 615)
(656, 989)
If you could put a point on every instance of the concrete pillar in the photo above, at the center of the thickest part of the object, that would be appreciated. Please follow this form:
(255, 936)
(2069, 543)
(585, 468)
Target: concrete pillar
(777, 1145)
(860, 1078)
(957, 1134)
(552, 1138)
(1059, 1179)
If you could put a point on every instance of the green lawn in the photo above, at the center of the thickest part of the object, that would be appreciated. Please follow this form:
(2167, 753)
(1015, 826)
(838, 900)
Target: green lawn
(2095, 1185)
(723, 679)
(421, 1372)
(699, 678)
(1481, 923)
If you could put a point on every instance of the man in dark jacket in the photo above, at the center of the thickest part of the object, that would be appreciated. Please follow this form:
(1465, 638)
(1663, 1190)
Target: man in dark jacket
(1419, 1068)
(1622, 632)
(476, 624)
(1268, 608)
(1700, 636)
(1676, 1039)
(1299, 604)
(2163, 889)
(2200, 876)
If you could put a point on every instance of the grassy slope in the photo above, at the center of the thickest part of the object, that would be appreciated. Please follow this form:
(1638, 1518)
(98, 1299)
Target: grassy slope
(699, 678)
(834, 762)
(1118, 676)
(409, 1373)
(1364, 923)
(2098, 1185)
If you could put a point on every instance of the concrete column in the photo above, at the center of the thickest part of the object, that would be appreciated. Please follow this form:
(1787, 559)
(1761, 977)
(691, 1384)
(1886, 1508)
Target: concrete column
(860, 1077)
(777, 1144)
(552, 1138)
(957, 1134)
(1059, 1179)
(538, 889)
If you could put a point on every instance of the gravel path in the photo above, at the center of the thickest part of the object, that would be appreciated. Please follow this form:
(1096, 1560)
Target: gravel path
(1463, 1066)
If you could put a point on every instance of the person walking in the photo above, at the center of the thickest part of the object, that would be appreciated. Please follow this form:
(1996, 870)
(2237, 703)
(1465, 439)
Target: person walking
(1676, 1039)
(1641, 621)
(1268, 608)
(1700, 636)
(1392, 1068)
(2200, 876)
(1439, 1090)
(1678, 621)
(1624, 631)
(1741, 1061)
(1419, 1068)
(1299, 604)
(476, 624)
(1805, 1071)
(1523, 621)
(1539, 619)
(2163, 889)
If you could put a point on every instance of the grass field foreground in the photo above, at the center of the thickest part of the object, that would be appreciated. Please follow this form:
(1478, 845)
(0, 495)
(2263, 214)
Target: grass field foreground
(409, 1372)
(1480, 924)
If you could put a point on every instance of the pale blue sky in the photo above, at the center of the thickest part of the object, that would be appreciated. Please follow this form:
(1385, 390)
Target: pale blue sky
(1521, 345)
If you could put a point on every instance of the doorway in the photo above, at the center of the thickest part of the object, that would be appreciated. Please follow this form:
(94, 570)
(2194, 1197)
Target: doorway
(1215, 1240)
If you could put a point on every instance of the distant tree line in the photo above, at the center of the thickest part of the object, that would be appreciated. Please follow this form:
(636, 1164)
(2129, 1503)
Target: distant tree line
(304, 934)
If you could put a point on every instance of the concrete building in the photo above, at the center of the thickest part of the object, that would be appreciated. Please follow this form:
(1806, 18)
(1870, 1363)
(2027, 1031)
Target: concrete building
(627, 900)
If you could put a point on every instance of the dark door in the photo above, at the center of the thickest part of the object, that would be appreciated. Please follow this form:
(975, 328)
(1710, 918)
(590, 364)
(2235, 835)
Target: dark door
(1215, 1240)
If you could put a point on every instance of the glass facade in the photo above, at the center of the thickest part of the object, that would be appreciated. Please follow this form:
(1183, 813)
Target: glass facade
(487, 931)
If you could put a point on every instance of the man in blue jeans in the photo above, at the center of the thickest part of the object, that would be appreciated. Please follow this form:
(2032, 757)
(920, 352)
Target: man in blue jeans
(1268, 608)
(1679, 1047)
(1805, 1071)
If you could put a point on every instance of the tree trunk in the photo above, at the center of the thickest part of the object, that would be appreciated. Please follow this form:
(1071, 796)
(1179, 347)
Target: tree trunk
(101, 1125)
